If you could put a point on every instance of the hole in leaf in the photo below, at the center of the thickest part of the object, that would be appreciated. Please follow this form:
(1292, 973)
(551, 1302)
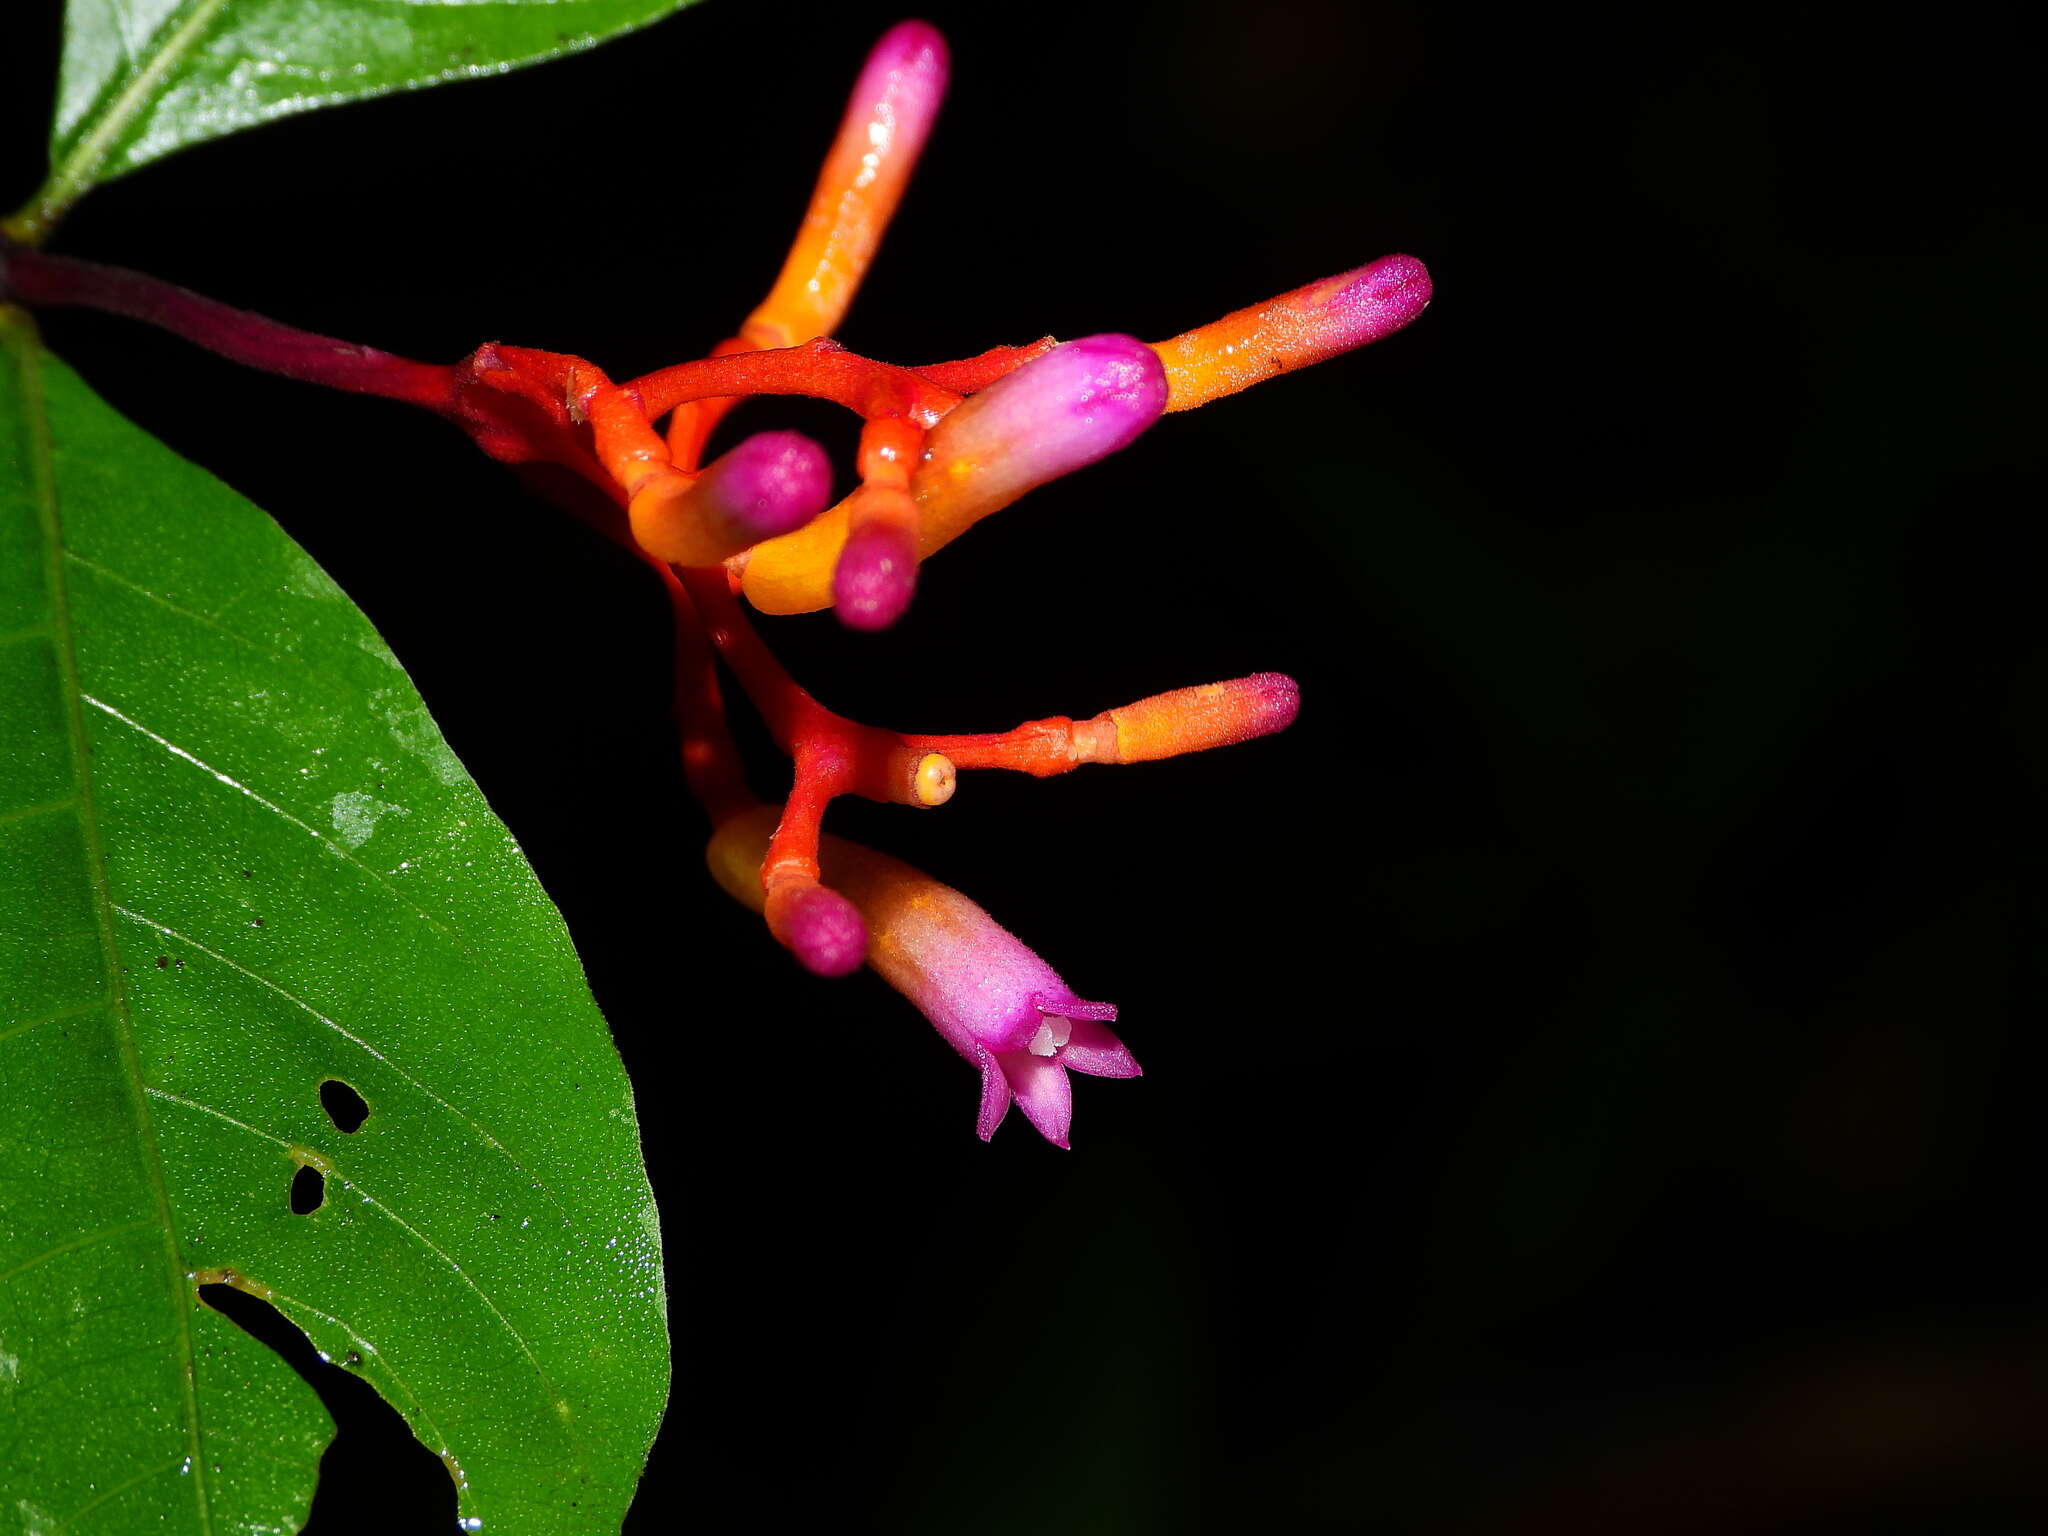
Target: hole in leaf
(345, 1107)
(309, 1188)
(375, 1475)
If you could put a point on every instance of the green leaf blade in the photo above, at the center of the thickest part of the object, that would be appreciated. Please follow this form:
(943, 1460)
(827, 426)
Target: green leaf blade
(264, 870)
(142, 78)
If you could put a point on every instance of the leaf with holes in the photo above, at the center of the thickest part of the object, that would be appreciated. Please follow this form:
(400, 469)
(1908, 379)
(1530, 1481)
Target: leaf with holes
(141, 78)
(256, 920)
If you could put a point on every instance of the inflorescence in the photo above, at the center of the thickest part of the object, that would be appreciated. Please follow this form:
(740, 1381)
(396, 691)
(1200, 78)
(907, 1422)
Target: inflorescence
(941, 447)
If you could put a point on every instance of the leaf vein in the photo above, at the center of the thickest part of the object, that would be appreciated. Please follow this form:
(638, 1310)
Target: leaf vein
(119, 1488)
(76, 1010)
(270, 805)
(48, 808)
(8, 1276)
(340, 1029)
(110, 574)
(540, 1371)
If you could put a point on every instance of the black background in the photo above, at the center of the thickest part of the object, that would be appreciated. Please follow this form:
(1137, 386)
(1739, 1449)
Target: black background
(1591, 1075)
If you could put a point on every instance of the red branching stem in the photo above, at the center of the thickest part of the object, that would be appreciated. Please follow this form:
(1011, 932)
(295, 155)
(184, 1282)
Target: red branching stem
(545, 409)
(631, 451)
(546, 380)
(783, 704)
(1040, 748)
(844, 756)
(520, 404)
(712, 766)
(971, 374)
(40, 279)
(690, 426)
(822, 369)
(523, 407)
(793, 850)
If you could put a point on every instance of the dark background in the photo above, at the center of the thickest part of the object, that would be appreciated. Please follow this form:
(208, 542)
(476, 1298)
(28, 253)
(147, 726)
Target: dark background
(1591, 1066)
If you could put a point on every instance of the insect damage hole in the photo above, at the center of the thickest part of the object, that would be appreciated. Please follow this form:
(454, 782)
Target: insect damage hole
(376, 1475)
(309, 1189)
(345, 1107)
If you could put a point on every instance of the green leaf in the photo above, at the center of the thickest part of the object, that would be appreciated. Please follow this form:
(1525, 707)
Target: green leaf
(237, 861)
(142, 78)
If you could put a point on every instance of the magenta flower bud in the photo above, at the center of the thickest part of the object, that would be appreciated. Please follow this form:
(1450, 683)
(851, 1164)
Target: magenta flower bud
(900, 87)
(819, 926)
(1076, 404)
(1375, 301)
(876, 573)
(770, 484)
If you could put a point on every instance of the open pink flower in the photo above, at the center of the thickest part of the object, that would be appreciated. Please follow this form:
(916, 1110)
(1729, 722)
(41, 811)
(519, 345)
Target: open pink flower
(993, 999)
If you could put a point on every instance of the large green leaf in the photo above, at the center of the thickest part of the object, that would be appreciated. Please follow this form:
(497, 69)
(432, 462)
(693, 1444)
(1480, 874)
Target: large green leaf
(141, 78)
(237, 861)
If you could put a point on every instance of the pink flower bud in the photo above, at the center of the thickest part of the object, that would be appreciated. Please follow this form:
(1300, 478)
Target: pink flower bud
(771, 483)
(819, 926)
(876, 573)
(887, 120)
(1373, 302)
(1078, 403)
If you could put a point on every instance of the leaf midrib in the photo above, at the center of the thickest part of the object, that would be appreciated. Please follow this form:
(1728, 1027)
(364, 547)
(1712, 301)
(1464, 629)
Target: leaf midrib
(18, 335)
(72, 176)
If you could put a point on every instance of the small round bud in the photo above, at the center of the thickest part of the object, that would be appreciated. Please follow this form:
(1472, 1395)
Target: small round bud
(876, 573)
(935, 779)
(819, 926)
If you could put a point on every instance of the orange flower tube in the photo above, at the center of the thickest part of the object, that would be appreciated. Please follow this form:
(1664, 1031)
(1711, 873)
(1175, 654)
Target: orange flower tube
(1305, 326)
(886, 123)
